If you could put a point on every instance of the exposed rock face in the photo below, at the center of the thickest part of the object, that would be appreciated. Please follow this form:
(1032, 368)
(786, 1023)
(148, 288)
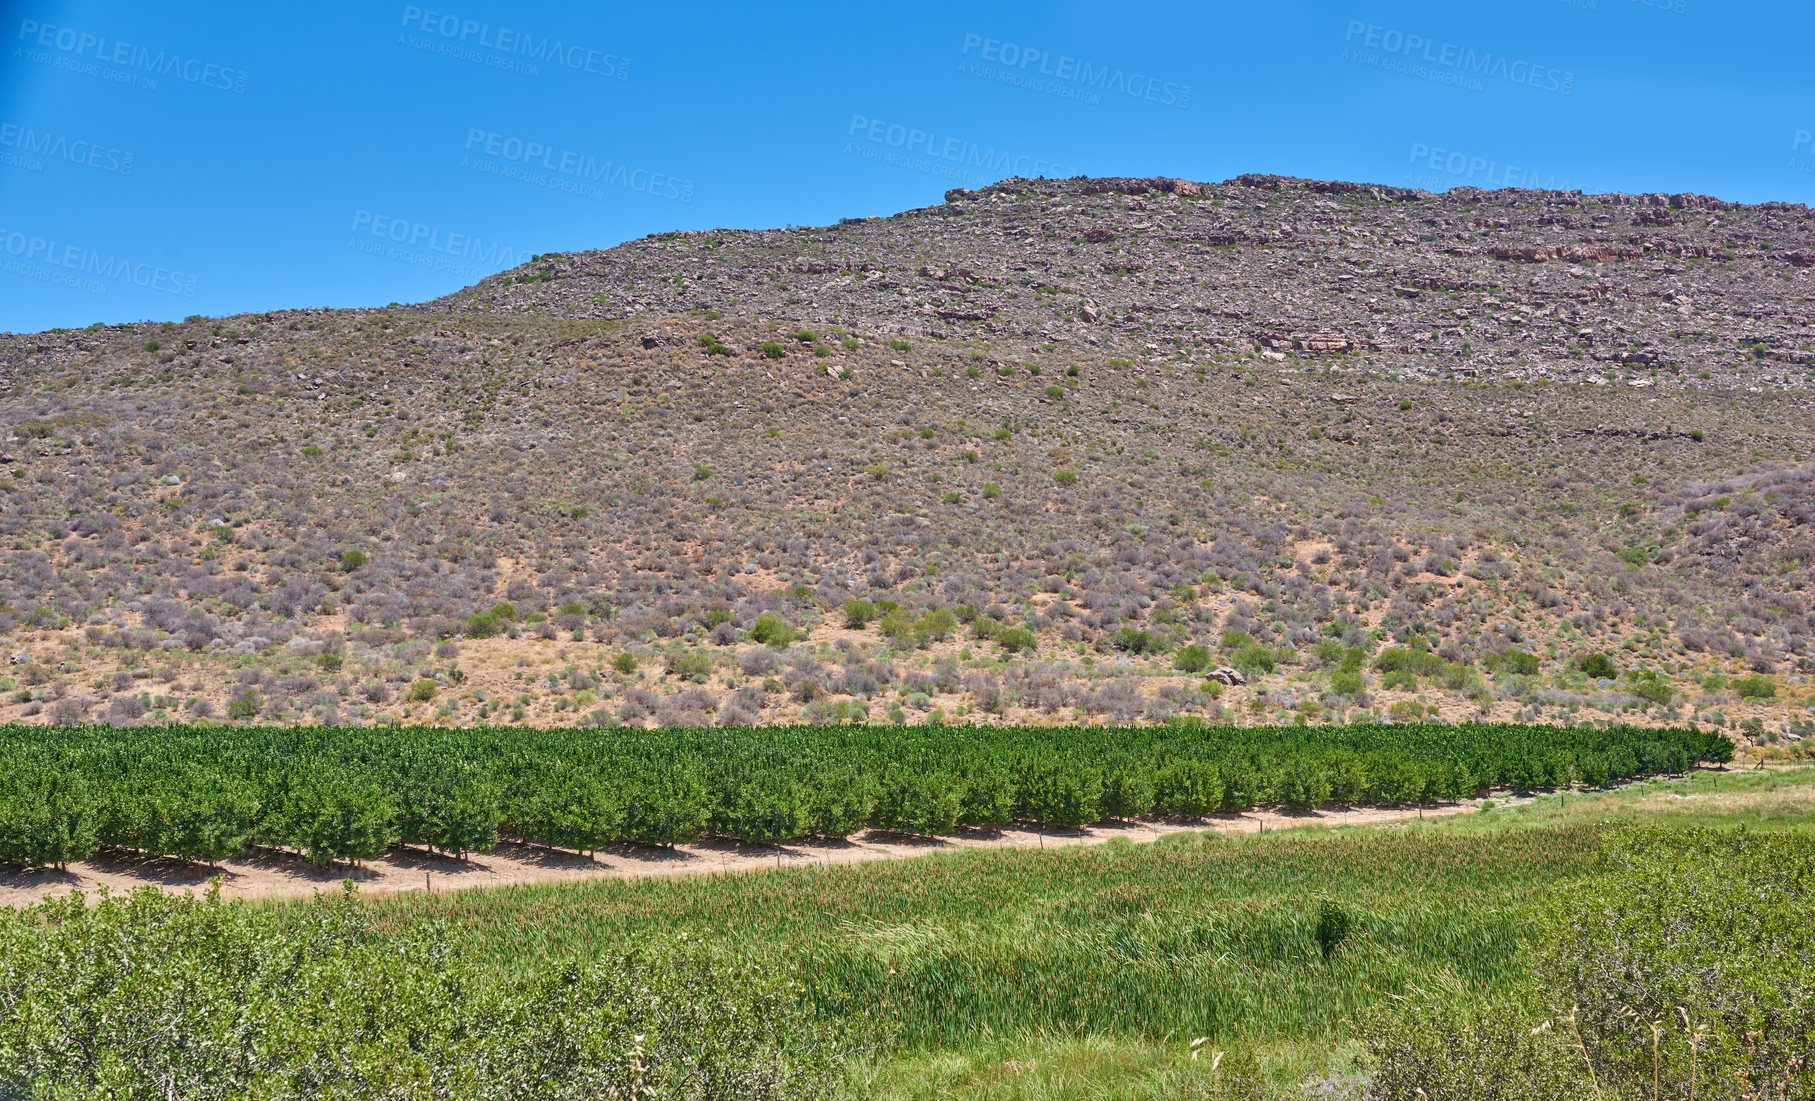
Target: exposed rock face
(1580, 254)
(1511, 284)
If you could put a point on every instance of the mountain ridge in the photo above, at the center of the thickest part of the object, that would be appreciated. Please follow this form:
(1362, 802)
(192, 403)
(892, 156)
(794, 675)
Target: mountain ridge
(1069, 442)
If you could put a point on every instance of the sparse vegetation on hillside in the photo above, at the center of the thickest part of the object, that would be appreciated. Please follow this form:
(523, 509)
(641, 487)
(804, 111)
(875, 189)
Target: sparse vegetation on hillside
(1262, 431)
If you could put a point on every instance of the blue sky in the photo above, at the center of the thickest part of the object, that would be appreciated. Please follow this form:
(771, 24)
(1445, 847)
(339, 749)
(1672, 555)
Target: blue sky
(163, 160)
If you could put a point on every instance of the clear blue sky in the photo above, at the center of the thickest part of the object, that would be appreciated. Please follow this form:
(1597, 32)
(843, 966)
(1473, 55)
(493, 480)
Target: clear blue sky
(159, 160)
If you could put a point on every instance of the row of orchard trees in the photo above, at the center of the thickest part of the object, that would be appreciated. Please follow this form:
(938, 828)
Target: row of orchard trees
(348, 793)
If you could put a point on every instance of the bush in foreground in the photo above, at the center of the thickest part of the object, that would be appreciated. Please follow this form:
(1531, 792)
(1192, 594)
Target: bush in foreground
(1685, 969)
(153, 996)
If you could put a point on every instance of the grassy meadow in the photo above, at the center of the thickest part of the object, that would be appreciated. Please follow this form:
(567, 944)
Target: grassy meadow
(1088, 973)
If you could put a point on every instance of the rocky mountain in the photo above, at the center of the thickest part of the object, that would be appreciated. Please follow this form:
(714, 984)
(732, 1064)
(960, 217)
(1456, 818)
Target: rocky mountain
(1047, 451)
(1510, 284)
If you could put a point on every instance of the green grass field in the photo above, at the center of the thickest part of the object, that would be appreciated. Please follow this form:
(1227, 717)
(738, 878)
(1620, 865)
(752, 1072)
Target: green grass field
(1087, 973)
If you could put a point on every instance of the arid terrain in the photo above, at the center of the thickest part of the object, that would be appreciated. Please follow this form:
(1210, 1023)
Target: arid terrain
(1011, 458)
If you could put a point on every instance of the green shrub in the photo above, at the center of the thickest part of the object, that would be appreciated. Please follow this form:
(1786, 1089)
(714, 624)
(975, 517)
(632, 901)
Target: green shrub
(713, 345)
(772, 630)
(1346, 682)
(917, 802)
(1017, 640)
(625, 663)
(1235, 640)
(763, 810)
(688, 665)
(1130, 640)
(1459, 678)
(858, 614)
(936, 625)
(244, 707)
(845, 711)
(1515, 662)
(352, 560)
(772, 350)
(1193, 659)
(423, 689)
(1598, 666)
(1401, 659)
(896, 624)
(1300, 785)
(48, 818)
(1128, 792)
(1255, 658)
(1188, 789)
(1060, 795)
(840, 803)
(988, 800)
(1648, 686)
(1756, 687)
(1065, 477)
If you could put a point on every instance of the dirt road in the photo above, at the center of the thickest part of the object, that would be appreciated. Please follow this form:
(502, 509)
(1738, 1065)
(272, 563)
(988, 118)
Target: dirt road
(276, 874)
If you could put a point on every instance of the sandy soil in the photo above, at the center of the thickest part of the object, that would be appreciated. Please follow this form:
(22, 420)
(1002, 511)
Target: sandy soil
(277, 874)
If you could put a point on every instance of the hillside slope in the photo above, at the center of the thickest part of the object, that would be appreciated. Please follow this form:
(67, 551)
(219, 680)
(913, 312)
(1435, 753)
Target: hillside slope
(1374, 446)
